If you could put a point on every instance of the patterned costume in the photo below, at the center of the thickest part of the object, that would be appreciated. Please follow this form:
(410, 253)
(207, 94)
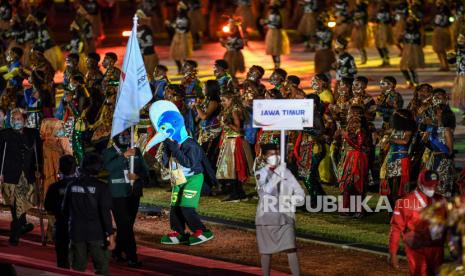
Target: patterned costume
(51, 51)
(244, 11)
(309, 151)
(102, 127)
(359, 38)
(441, 34)
(193, 88)
(388, 103)
(458, 90)
(353, 168)
(181, 45)
(346, 67)
(234, 43)
(412, 53)
(308, 22)
(324, 55)
(440, 160)
(383, 32)
(235, 159)
(69, 114)
(147, 48)
(276, 40)
(341, 12)
(33, 109)
(395, 169)
(159, 87)
(400, 18)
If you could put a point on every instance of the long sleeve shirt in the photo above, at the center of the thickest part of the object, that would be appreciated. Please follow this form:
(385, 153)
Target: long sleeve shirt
(87, 204)
(188, 155)
(406, 220)
(21, 148)
(115, 163)
(274, 193)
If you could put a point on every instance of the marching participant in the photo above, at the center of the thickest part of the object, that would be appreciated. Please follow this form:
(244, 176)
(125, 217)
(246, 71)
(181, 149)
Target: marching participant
(19, 145)
(308, 22)
(277, 42)
(359, 37)
(234, 43)
(181, 45)
(146, 43)
(441, 33)
(276, 230)
(383, 31)
(424, 254)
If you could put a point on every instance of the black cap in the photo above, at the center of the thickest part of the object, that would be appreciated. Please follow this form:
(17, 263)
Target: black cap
(94, 56)
(293, 79)
(267, 147)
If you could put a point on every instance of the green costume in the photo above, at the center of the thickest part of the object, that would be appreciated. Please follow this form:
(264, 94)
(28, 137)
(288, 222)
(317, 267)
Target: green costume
(188, 194)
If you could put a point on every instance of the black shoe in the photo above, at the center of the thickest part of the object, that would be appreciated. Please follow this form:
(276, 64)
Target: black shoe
(118, 259)
(134, 264)
(13, 241)
(28, 227)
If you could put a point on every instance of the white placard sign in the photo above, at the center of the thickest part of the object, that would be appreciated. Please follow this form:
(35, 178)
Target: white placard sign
(283, 114)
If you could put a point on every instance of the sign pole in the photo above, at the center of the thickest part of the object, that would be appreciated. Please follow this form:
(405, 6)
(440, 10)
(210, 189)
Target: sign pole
(283, 150)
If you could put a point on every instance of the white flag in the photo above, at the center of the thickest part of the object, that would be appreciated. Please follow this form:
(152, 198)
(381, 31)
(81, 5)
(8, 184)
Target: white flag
(134, 89)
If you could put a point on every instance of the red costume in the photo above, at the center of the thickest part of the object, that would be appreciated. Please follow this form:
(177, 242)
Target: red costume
(424, 254)
(354, 171)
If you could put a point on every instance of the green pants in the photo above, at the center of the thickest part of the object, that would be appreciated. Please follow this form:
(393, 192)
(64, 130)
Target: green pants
(79, 252)
(188, 194)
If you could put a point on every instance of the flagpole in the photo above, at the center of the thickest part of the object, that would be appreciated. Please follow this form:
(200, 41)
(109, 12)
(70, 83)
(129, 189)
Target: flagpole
(131, 159)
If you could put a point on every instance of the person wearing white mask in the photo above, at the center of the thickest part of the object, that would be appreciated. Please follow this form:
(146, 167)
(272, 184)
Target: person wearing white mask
(20, 168)
(424, 252)
(279, 192)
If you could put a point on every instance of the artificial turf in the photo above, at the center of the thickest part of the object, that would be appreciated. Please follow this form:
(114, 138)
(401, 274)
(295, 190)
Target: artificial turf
(371, 230)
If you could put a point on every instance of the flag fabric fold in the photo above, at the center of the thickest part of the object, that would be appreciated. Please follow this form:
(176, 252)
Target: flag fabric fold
(134, 89)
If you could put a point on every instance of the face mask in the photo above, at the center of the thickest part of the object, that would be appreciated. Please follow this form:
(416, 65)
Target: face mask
(273, 160)
(315, 85)
(9, 58)
(428, 192)
(60, 133)
(124, 140)
(72, 87)
(105, 64)
(18, 125)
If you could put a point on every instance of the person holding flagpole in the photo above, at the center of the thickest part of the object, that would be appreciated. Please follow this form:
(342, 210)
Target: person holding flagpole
(126, 182)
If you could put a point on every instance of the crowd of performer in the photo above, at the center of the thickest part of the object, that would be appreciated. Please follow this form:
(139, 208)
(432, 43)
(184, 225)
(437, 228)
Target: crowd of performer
(44, 140)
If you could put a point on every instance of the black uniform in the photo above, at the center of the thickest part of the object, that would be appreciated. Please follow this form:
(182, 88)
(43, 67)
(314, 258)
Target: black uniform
(53, 203)
(87, 204)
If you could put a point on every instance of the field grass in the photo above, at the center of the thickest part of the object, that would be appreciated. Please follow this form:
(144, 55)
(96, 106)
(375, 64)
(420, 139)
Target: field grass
(371, 230)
